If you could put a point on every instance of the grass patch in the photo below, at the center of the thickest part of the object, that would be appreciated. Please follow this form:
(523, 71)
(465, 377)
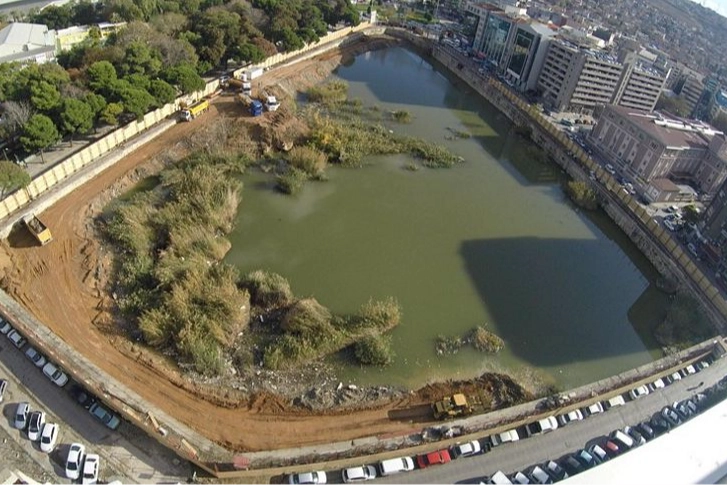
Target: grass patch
(168, 241)
(267, 290)
(479, 337)
(685, 325)
(308, 159)
(374, 350)
(328, 93)
(291, 181)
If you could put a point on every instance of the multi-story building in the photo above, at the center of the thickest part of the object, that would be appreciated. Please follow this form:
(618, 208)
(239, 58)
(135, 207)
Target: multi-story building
(640, 85)
(576, 78)
(26, 43)
(527, 56)
(692, 88)
(653, 147)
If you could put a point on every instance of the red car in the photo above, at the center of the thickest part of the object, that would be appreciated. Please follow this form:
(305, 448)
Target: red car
(434, 458)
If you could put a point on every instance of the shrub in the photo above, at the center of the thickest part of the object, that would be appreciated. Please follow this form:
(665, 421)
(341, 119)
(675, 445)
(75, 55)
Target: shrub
(374, 350)
(309, 159)
(380, 313)
(267, 289)
(486, 341)
(291, 181)
(448, 345)
(308, 318)
(329, 93)
(401, 116)
(582, 195)
(684, 325)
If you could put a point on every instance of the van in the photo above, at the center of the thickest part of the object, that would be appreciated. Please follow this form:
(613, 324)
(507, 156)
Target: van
(622, 438)
(396, 465)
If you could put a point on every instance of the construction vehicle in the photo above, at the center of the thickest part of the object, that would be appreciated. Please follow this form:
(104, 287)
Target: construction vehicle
(271, 103)
(39, 230)
(191, 112)
(459, 405)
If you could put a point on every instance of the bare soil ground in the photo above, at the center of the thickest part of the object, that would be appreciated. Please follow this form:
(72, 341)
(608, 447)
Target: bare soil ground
(63, 285)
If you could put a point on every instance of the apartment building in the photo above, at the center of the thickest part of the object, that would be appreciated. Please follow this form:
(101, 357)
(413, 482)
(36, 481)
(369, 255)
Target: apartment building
(576, 78)
(653, 147)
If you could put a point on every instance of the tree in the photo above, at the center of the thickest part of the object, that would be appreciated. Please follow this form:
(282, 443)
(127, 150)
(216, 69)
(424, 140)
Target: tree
(97, 103)
(248, 52)
(162, 91)
(139, 58)
(12, 177)
(185, 78)
(674, 105)
(110, 114)
(720, 121)
(691, 214)
(136, 101)
(76, 117)
(39, 134)
(15, 115)
(44, 96)
(101, 76)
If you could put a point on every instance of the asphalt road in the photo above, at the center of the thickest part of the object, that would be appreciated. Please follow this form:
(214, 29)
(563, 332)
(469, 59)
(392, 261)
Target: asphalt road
(513, 457)
(145, 461)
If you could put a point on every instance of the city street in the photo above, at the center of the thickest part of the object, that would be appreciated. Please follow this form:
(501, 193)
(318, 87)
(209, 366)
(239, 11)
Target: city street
(513, 457)
(119, 458)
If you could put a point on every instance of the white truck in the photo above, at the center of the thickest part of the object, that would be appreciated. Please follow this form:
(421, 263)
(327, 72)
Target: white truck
(272, 103)
(252, 73)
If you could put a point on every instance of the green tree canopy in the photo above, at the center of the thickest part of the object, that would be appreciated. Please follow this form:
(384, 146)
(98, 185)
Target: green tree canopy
(76, 117)
(44, 96)
(39, 134)
(136, 101)
(110, 114)
(162, 91)
(12, 177)
(185, 78)
(101, 76)
(139, 58)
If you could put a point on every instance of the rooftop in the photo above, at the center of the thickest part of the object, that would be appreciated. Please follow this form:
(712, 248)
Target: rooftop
(671, 132)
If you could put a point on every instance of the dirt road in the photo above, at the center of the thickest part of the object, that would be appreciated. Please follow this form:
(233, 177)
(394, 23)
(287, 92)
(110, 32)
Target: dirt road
(58, 283)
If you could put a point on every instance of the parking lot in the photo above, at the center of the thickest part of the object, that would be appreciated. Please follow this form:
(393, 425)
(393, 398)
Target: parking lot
(145, 461)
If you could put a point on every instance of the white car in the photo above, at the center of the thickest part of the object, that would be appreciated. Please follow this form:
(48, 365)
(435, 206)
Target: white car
(638, 392)
(5, 327)
(358, 474)
(90, 469)
(595, 408)
(35, 357)
(56, 375)
(74, 461)
(466, 449)
(658, 384)
(49, 437)
(21, 415)
(610, 169)
(35, 426)
(17, 339)
(308, 478)
(575, 415)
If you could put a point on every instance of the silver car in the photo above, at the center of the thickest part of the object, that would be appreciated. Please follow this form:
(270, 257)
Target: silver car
(21, 415)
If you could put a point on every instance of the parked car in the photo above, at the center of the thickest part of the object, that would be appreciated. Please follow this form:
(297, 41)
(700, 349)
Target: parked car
(105, 416)
(609, 168)
(3, 387)
(635, 435)
(575, 415)
(657, 384)
(676, 377)
(682, 410)
(91, 466)
(74, 460)
(5, 327)
(464, 450)
(358, 474)
(646, 431)
(624, 441)
(55, 374)
(520, 478)
(598, 453)
(660, 424)
(701, 365)
(671, 416)
(82, 397)
(638, 392)
(614, 401)
(611, 448)
(35, 357)
(571, 465)
(588, 460)
(21, 416)
(690, 369)
(307, 478)
(439, 457)
(395, 465)
(17, 339)
(691, 406)
(594, 408)
(556, 471)
(505, 437)
(35, 426)
(538, 475)
(499, 478)
(49, 437)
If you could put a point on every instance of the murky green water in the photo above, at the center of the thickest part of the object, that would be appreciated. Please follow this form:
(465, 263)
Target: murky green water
(492, 241)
